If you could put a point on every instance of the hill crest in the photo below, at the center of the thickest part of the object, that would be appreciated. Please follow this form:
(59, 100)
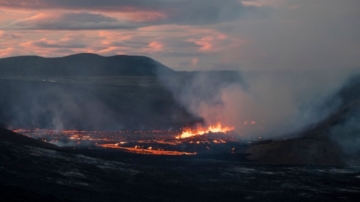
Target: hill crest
(82, 64)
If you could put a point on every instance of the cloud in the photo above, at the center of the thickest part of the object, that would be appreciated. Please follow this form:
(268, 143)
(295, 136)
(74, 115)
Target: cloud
(44, 43)
(6, 35)
(200, 12)
(229, 34)
(108, 5)
(209, 12)
(7, 52)
(68, 21)
(260, 3)
(299, 35)
(154, 46)
(69, 44)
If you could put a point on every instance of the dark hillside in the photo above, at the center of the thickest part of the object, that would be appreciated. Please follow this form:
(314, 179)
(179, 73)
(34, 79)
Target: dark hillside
(9, 136)
(84, 64)
(87, 91)
(333, 141)
(90, 103)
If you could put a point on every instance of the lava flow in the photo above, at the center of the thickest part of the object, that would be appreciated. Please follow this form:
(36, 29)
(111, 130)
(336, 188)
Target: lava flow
(216, 138)
(218, 128)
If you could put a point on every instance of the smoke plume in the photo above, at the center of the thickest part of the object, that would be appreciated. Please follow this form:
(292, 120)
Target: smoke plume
(267, 104)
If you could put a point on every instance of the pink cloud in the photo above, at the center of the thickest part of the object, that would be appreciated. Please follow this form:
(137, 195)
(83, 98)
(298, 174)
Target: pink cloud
(109, 38)
(211, 42)
(140, 16)
(204, 43)
(112, 50)
(7, 52)
(64, 20)
(260, 3)
(120, 6)
(50, 46)
(175, 45)
(7, 35)
(69, 41)
(194, 61)
(155, 46)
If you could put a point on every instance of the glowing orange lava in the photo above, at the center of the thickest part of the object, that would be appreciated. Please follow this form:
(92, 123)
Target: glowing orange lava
(218, 128)
(148, 151)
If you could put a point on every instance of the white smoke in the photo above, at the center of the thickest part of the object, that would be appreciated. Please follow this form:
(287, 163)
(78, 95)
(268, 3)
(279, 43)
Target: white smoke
(280, 103)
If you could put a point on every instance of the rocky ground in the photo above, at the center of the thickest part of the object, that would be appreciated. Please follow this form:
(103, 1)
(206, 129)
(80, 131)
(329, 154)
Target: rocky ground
(30, 173)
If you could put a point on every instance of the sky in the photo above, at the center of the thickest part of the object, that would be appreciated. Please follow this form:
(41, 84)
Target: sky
(189, 34)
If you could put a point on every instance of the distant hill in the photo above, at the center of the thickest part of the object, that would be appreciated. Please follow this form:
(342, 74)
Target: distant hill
(100, 103)
(83, 64)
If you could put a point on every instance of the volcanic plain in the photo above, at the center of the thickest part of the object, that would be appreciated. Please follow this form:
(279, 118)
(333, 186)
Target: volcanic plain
(92, 128)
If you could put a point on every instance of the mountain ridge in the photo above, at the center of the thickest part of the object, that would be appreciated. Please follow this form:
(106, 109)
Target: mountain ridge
(82, 64)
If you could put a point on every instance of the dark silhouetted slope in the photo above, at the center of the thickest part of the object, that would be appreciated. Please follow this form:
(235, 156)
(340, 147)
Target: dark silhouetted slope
(83, 64)
(333, 141)
(9, 136)
(91, 103)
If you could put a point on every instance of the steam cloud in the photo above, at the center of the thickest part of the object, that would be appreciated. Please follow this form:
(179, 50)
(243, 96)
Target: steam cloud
(281, 103)
(346, 132)
(43, 104)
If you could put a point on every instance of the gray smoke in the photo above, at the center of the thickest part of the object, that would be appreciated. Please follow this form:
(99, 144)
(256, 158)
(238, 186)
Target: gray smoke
(347, 134)
(346, 129)
(280, 102)
(58, 106)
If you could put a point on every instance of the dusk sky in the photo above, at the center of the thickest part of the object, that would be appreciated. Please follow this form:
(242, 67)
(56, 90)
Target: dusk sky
(189, 34)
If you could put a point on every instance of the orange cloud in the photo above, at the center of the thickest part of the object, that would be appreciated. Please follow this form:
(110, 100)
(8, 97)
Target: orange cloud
(204, 43)
(209, 43)
(112, 37)
(8, 52)
(154, 47)
(112, 50)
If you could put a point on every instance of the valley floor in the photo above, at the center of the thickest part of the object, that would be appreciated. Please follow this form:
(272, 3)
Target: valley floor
(34, 174)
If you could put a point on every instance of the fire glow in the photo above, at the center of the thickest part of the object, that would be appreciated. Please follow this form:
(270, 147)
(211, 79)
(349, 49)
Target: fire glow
(199, 140)
(148, 151)
(218, 128)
